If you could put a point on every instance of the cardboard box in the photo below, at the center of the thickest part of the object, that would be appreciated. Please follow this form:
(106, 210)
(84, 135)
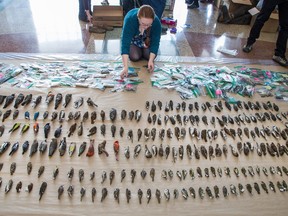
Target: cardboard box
(110, 15)
(271, 25)
(234, 4)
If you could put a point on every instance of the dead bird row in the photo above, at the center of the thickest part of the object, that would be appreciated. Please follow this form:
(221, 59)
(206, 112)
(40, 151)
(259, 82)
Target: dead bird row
(146, 134)
(162, 151)
(166, 194)
(59, 98)
(241, 119)
(165, 174)
(62, 116)
(217, 106)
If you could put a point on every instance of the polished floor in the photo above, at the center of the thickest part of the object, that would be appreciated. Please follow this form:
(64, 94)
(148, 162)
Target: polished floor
(52, 26)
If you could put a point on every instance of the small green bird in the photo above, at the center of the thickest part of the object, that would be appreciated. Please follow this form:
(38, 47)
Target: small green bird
(15, 127)
(25, 128)
(82, 148)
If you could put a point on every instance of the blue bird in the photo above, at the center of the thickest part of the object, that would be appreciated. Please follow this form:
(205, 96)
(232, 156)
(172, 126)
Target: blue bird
(36, 115)
(27, 115)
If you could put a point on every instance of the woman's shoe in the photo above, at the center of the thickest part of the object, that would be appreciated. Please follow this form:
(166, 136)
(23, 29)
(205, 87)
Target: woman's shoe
(247, 48)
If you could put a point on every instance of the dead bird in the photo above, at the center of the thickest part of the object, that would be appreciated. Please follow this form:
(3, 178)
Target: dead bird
(140, 195)
(137, 150)
(42, 189)
(113, 114)
(92, 131)
(82, 148)
(104, 194)
(15, 114)
(29, 187)
(9, 185)
(8, 100)
(123, 114)
(61, 116)
(70, 190)
(138, 115)
(6, 114)
(60, 191)
(78, 103)
(113, 130)
(101, 148)
(25, 128)
(58, 100)
(81, 175)
(133, 175)
(103, 129)
(72, 129)
(80, 129)
(77, 115)
(29, 167)
(117, 194)
(58, 132)
(12, 168)
(52, 147)
(4, 146)
(2, 99)
(67, 100)
(91, 103)
(149, 195)
(130, 135)
(93, 193)
(90, 151)
(54, 115)
(55, 172)
(49, 98)
(121, 131)
(123, 174)
(70, 174)
(27, 100)
(72, 148)
(139, 134)
(36, 101)
(102, 115)
(148, 153)
(41, 170)
(128, 195)
(14, 148)
(116, 148)
(167, 194)
(127, 152)
(93, 116)
(34, 148)
(2, 129)
(143, 174)
(103, 176)
(158, 195)
(152, 174)
(46, 130)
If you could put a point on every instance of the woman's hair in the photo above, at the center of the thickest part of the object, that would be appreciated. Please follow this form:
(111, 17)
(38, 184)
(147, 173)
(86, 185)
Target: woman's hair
(146, 11)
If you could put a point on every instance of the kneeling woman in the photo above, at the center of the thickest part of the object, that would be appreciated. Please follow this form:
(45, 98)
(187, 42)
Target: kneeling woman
(140, 37)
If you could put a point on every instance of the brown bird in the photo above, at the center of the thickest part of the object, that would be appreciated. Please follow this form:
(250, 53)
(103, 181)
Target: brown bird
(90, 151)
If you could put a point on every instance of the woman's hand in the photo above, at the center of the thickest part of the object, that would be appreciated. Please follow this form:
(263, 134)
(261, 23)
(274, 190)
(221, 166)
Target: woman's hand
(151, 66)
(124, 73)
(89, 16)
